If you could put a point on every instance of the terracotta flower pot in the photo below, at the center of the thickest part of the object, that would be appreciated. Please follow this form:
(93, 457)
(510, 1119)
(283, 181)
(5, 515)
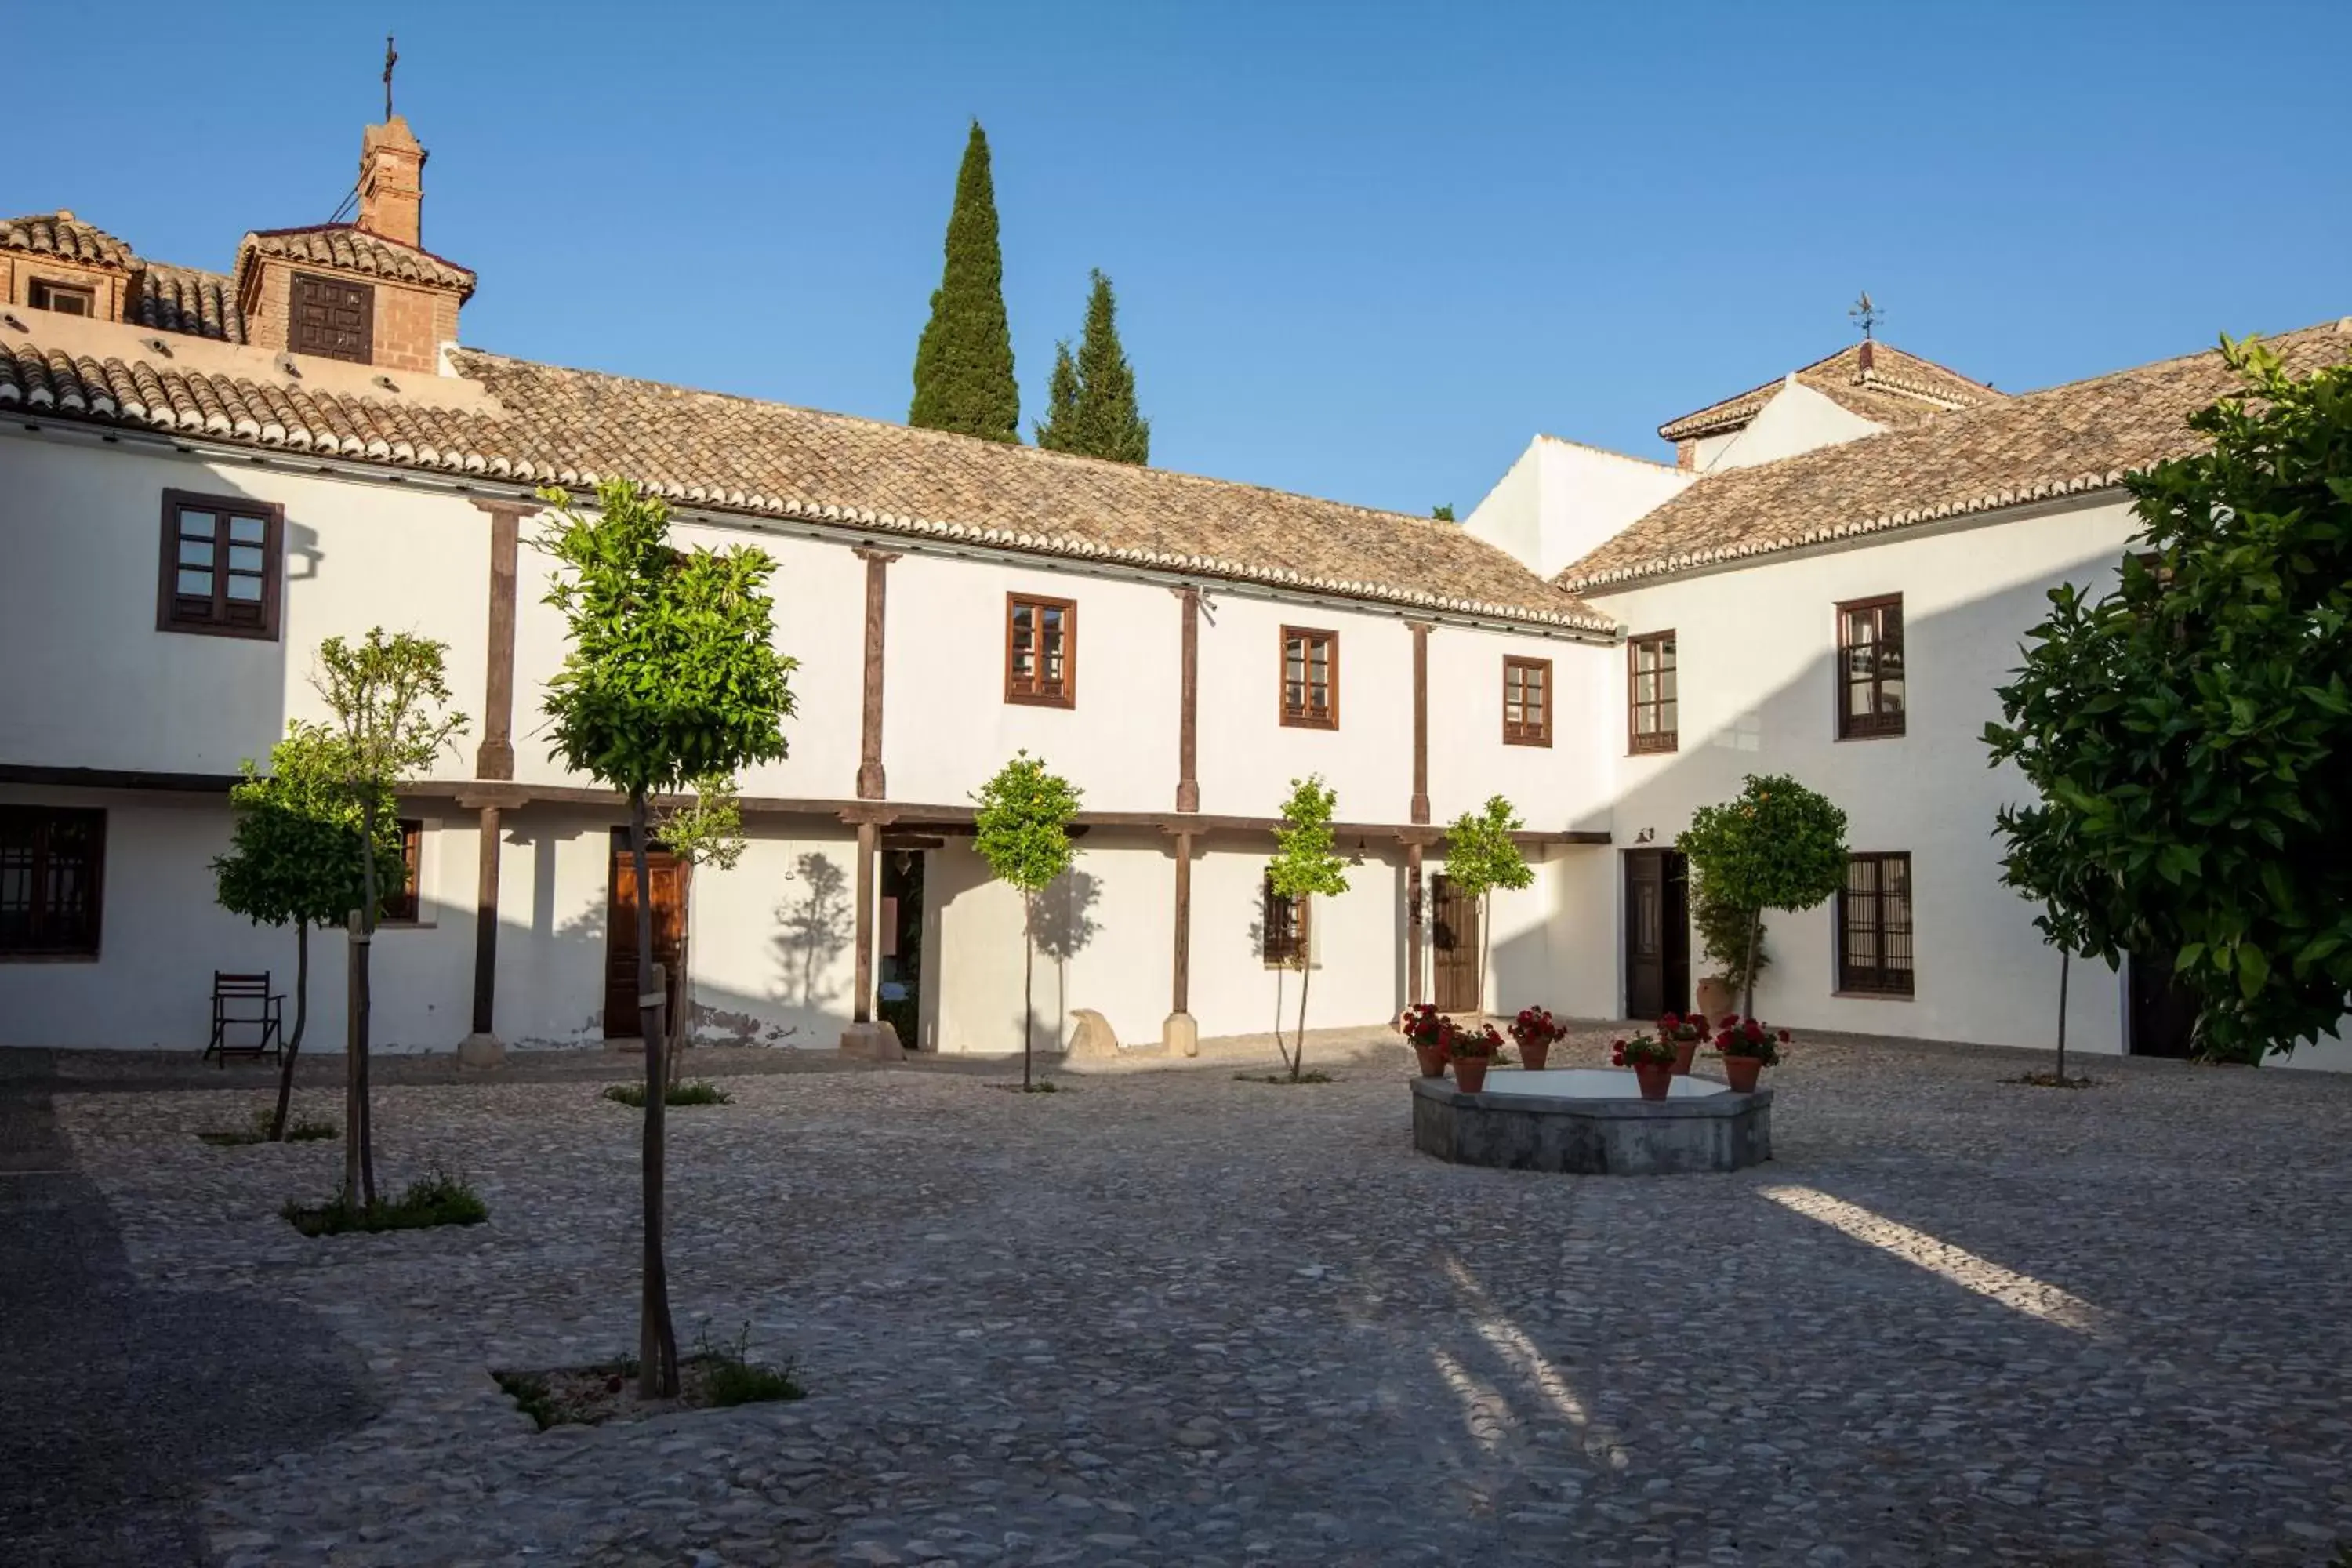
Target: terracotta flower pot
(1715, 997)
(1686, 1052)
(1470, 1074)
(1432, 1060)
(1534, 1053)
(1655, 1078)
(1740, 1072)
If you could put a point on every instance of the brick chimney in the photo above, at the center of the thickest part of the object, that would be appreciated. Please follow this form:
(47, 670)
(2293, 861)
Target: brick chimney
(392, 183)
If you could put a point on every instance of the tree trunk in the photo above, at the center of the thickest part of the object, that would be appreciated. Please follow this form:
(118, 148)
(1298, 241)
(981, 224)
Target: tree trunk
(1028, 986)
(1485, 937)
(2065, 961)
(1280, 1048)
(351, 948)
(301, 1015)
(1298, 1039)
(657, 1339)
(1748, 973)
(674, 1058)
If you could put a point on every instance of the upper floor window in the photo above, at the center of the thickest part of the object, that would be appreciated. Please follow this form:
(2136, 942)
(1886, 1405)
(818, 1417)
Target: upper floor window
(399, 902)
(220, 565)
(62, 296)
(1040, 650)
(1527, 701)
(1652, 710)
(1311, 678)
(1870, 687)
(1283, 937)
(331, 317)
(1873, 921)
(52, 869)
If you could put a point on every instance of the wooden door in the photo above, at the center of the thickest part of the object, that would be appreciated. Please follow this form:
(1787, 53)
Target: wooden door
(1657, 933)
(2163, 1012)
(666, 878)
(1453, 945)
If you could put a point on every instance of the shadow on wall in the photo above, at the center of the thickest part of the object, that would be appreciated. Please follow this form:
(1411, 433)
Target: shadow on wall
(1062, 923)
(817, 923)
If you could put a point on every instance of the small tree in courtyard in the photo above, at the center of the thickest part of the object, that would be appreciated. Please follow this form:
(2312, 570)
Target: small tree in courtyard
(1022, 828)
(1305, 865)
(673, 676)
(705, 830)
(2040, 866)
(1778, 845)
(294, 858)
(1480, 856)
(1726, 935)
(2189, 734)
(387, 693)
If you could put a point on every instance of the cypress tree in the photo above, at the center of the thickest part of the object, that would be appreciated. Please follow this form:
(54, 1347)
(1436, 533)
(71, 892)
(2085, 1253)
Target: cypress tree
(1093, 413)
(963, 365)
(1060, 428)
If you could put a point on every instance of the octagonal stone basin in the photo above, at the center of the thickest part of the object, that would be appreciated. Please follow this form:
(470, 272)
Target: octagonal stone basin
(1592, 1122)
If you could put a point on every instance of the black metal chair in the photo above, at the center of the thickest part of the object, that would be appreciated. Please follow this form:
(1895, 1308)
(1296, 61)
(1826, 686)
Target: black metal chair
(245, 1001)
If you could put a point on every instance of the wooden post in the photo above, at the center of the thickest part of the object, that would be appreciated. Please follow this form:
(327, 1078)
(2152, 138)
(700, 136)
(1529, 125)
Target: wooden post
(1420, 720)
(870, 781)
(494, 759)
(1188, 780)
(1413, 924)
(869, 835)
(1183, 999)
(486, 926)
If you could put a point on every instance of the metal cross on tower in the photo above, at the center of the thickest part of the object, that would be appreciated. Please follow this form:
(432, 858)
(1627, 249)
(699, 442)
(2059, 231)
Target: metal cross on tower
(391, 59)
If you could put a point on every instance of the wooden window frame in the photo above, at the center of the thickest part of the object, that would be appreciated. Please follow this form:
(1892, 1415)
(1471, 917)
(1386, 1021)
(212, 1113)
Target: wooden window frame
(1285, 928)
(298, 342)
(1882, 979)
(272, 515)
(85, 943)
(1305, 717)
(404, 905)
(43, 293)
(1666, 737)
(1875, 725)
(1033, 693)
(1526, 733)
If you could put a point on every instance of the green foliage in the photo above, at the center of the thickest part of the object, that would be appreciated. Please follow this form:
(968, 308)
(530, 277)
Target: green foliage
(673, 676)
(1444, 513)
(1480, 853)
(1284, 1077)
(295, 846)
(437, 1199)
(707, 829)
(308, 1130)
(1724, 929)
(1778, 845)
(1093, 413)
(695, 1092)
(1306, 862)
(963, 365)
(387, 692)
(2189, 734)
(1023, 821)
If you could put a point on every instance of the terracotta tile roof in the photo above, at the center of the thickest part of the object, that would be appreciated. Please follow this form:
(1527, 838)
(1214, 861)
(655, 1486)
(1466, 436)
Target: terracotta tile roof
(550, 426)
(1895, 389)
(61, 233)
(2065, 440)
(356, 250)
(184, 299)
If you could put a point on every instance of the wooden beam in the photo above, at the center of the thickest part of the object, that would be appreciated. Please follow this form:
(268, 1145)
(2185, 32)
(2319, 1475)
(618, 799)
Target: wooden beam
(1420, 805)
(861, 1001)
(485, 925)
(870, 781)
(1183, 985)
(1188, 724)
(494, 758)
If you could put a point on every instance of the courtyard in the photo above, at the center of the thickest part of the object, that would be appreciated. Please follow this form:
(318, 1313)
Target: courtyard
(1171, 1317)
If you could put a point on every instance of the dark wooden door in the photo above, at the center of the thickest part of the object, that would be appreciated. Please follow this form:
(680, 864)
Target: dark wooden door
(1454, 946)
(333, 318)
(2163, 1014)
(1657, 933)
(666, 879)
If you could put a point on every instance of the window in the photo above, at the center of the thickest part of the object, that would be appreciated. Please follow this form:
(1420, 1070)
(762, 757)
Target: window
(1041, 651)
(1870, 668)
(1311, 678)
(1873, 918)
(1527, 701)
(63, 298)
(52, 869)
(333, 318)
(1283, 930)
(399, 903)
(1651, 708)
(221, 560)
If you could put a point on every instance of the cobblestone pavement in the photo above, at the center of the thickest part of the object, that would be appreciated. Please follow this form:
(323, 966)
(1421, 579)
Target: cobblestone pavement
(1174, 1317)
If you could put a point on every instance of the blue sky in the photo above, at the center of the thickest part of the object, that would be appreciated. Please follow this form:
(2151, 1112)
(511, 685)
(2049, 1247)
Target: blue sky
(1362, 251)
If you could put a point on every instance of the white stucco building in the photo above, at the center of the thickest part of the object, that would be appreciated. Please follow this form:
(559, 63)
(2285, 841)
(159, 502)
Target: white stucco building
(203, 476)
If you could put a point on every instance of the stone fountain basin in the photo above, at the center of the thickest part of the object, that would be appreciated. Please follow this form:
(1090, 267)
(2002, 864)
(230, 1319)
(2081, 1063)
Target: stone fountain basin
(1592, 1122)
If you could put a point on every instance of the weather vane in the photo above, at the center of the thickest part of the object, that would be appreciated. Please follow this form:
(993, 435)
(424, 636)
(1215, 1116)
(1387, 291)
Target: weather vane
(1865, 315)
(391, 59)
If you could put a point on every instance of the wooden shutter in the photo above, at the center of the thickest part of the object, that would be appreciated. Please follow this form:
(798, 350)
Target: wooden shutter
(333, 318)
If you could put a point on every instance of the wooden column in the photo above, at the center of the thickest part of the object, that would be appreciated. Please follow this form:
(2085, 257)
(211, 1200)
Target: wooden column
(1413, 928)
(1188, 733)
(870, 784)
(1420, 720)
(485, 925)
(494, 758)
(869, 838)
(1182, 1001)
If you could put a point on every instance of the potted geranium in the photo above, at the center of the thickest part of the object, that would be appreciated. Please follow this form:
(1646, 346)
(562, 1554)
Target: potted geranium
(1652, 1059)
(1428, 1030)
(1747, 1048)
(1684, 1035)
(1471, 1050)
(1535, 1029)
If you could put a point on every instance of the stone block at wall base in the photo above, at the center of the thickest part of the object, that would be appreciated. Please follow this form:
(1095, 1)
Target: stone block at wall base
(481, 1051)
(1180, 1035)
(873, 1042)
(1094, 1039)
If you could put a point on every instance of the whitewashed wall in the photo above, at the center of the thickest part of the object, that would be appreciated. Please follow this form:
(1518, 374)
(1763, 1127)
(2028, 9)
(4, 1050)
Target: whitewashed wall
(1794, 419)
(1561, 499)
